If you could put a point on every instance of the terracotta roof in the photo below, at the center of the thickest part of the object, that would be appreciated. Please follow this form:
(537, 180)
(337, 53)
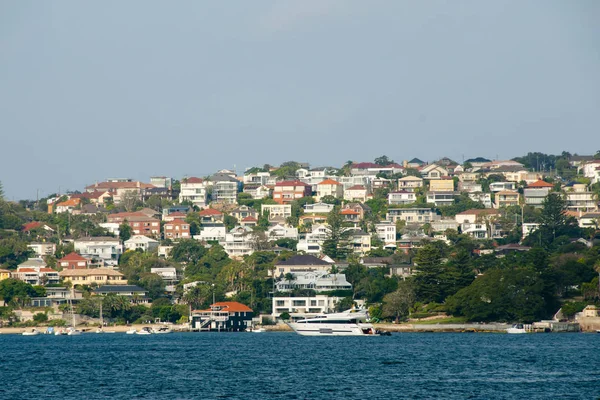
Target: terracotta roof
(507, 192)
(177, 214)
(26, 270)
(210, 211)
(31, 225)
(329, 182)
(69, 203)
(249, 218)
(90, 271)
(73, 257)
(230, 306)
(89, 195)
(356, 187)
(540, 184)
(348, 211)
(291, 183)
(192, 179)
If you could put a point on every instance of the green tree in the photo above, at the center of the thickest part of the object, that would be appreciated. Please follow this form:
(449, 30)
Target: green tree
(188, 250)
(198, 296)
(399, 303)
(40, 318)
(383, 160)
(153, 283)
(428, 278)
(125, 231)
(336, 243)
(16, 292)
(554, 216)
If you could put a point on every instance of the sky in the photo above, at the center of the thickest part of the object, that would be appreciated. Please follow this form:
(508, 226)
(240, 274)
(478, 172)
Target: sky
(93, 90)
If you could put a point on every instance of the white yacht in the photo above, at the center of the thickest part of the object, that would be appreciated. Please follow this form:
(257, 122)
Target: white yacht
(144, 331)
(347, 323)
(516, 328)
(33, 332)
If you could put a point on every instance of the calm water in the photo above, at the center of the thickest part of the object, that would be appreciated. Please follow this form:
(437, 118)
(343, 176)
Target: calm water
(287, 366)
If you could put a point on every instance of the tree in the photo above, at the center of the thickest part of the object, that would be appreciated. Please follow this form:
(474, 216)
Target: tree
(398, 304)
(428, 278)
(153, 283)
(16, 291)
(130, 200)
(335, 245)
(188, 250)
(198, 296)
(125, 231)
(383, 160)
(40, 318)
(554, 215)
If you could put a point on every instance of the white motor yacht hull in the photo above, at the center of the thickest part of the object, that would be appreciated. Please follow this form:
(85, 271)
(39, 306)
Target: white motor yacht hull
(335, 329)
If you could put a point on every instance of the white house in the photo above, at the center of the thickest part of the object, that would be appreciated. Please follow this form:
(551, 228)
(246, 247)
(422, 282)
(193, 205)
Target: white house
(329, 187)
(279, 231)
(239, 242)
(193, 190)
(316, 280)
(410, 183)
(479, 223)
(433, 171)
(303, 307)
(386, 232)
(441, 198)
(212, 232)
(580, 199)
(313, 241)
(42, 249)
(102, 248)
(483, 198)
(412, 215)
(141, 242)
(318, 208)
(401, 197)
(356, 193)
(277, 211)
(502, 186)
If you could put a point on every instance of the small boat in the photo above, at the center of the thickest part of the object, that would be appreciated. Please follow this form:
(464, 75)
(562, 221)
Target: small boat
(162, 330)
(33, 332)
(516, 329)
(100, 330)
(256, 330)
(131, 331)
(60, 332)
(144, 331)
(73, 332)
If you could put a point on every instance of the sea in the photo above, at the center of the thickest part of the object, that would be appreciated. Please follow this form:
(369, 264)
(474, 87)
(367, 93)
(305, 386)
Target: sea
(283, 365)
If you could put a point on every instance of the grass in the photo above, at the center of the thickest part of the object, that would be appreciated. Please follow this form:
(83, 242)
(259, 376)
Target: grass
(449, 320)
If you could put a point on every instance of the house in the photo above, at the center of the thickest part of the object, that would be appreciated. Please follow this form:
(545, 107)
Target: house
(580, 199)
(350, 215)
(443, 224)
(494, 165)
(480, 223)
(304, 307)
(477, 162)
(56, 296)
(469, 187)
(279, 231)
(356, 193)
(178, 215)
(506, 199)
(224, 188)
(590, 220)
(380, 183)
(386, 232)
(373, 169)
(141, 242)
(441, 198)
(239, 242)
(315, 280)
(169, 275)
(349, 181)
(410, 183)
(73, 261)
(401, 197)
(226, 316)
(67, 206)
(42, 249)
(483, 198)
(34, 225)
(257, 191)
(140, 222)
(433, 171)
(249, 221)
(212, 232)
(285, 192)
(412, 215)
(175, 210)
(90, 209)
(318, 208)
(103, 249)
(135, 294)
(300, 263)
(277, 212)
(329, 187)
(414, 163)
(120, 188)
(360, 241)
(444, 184)
(258, 178)
(244, 211)
(4, 274)
(362, 209)
(177, 229)
(35, 272)
(536, 193)
(210, 215)
(97, 276)
(523, 175)
(193, 190)
(97, 197)
(502, 186)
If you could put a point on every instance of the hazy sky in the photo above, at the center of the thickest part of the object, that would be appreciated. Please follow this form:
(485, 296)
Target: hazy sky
(92, 90)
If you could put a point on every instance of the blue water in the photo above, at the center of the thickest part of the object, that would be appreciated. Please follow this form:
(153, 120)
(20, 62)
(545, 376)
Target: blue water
(287, 366)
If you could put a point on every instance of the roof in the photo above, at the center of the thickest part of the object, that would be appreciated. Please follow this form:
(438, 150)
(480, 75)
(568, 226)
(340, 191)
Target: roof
(416, 161)
(348, 211)
(97, 239)
(365, 165)
(119, 185)
(31, 225)
(177, 214)
(291, 183)
(90, 271)
(477, 211)
(231, 306)
(192, 179)
(69, 203)
(119, 288)
(73, 257)
(249, 218)
(505, 192)
(329, 182)
(303, 259)
(210, 211)
(540, 184)
(410, 178)
(357, 187)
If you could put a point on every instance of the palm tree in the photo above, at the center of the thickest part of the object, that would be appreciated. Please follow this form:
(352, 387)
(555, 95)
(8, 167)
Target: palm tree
(290, 277)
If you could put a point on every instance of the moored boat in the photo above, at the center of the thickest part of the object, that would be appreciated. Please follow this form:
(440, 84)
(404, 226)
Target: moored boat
(162, 330)
(131, 331)
(144, 331)
(33, 332)
(348, 323)
(516, 329)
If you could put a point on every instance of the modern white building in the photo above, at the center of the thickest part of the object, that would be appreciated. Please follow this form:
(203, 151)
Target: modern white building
(302, 307)
(412, 215)
(141, 242)
(401, 197)
(318, 208)
(100, 248)
(277, 211)
(315, 280)
(386, 232)
(193, 190)
(212, 232)
(42, 249)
